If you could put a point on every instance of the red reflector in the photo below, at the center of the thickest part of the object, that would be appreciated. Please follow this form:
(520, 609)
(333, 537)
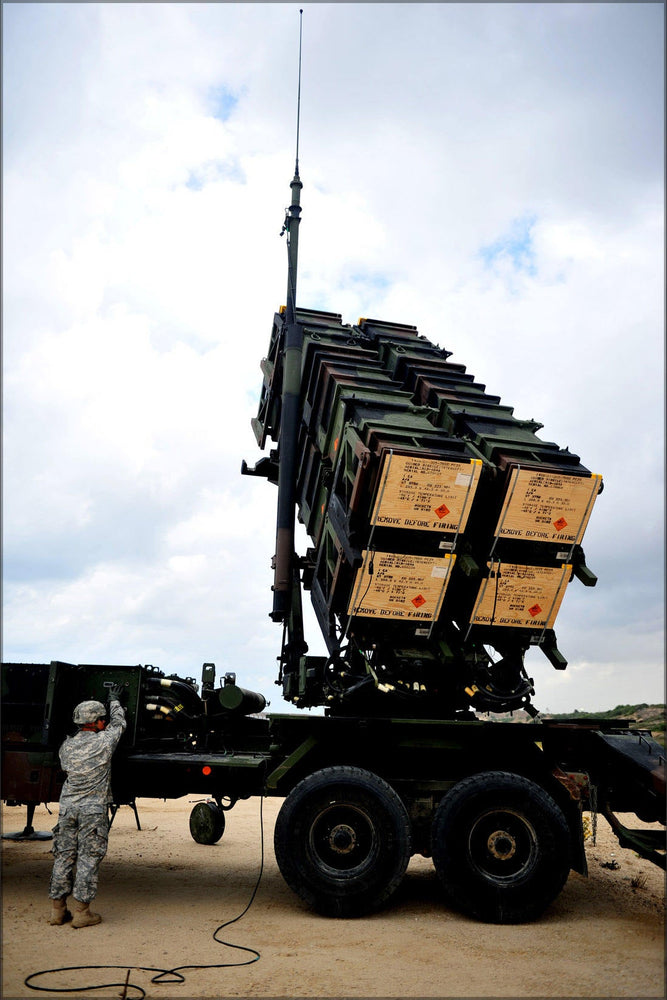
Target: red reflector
(206, 770)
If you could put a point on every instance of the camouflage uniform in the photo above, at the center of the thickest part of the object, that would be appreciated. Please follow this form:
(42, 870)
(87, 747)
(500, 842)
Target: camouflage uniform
(81, 834)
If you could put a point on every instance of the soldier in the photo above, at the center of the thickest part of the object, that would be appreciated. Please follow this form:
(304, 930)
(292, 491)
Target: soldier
(81, 835)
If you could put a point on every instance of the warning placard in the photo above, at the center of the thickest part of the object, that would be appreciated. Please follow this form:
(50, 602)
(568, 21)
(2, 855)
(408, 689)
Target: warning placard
(390, 585)
(426, 494)
(518, 596)
(547, 506)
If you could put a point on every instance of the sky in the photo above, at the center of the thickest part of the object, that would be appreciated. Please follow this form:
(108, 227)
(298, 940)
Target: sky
(491, 173)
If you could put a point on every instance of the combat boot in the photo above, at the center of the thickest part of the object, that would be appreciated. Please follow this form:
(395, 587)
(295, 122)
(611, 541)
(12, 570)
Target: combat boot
(59, 912)
(82, 914)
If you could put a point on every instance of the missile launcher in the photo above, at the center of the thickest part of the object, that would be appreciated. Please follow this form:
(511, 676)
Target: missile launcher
(444, 531)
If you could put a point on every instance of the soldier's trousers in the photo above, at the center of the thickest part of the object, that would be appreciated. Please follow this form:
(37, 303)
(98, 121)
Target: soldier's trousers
(80, 840)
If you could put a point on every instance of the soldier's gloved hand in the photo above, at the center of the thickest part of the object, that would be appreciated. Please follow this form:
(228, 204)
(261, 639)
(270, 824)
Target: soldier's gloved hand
(115, 691)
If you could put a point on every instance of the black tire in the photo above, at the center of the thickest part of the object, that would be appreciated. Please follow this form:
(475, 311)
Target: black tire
(343, 841)
(207, 823)
(501, 847)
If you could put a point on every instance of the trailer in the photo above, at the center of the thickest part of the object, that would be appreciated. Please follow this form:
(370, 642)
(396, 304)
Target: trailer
(497, 805)
(445, 533)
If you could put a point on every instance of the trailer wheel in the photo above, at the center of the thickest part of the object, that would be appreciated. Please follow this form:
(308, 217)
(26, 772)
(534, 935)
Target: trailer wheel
(207, 823)
(501, 847)
(342, 841)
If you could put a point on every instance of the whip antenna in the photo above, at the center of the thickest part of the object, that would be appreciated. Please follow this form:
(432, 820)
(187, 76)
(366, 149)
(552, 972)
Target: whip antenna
(293, 213)
(298, 96)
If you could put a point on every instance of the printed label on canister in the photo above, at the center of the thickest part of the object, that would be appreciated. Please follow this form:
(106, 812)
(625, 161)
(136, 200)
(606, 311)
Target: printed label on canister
(516, 596)
(401, 586)
(425, 494)
(547, 506)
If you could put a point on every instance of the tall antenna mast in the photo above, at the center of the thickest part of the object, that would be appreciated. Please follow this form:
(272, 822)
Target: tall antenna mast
(285, 559)
(293, 213)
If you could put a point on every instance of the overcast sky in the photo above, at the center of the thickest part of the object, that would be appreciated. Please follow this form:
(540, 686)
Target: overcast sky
(492, 173)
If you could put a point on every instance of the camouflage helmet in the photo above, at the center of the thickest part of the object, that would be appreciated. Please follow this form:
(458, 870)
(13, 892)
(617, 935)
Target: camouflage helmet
(88, 711)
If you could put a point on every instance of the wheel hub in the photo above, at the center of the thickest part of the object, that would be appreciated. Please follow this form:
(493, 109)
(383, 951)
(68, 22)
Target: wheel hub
(342, 839)
(501, 845)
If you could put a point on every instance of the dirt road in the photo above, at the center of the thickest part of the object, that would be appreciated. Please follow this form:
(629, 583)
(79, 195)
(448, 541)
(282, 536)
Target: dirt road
(162, 896)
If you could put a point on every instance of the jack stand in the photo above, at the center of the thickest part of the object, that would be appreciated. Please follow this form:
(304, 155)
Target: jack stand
(133, 806)
(29, 833)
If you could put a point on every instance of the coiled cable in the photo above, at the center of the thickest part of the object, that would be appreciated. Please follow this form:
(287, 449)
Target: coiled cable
(163, 976)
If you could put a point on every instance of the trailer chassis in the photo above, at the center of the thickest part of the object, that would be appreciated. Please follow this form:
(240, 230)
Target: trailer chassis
(497, 805)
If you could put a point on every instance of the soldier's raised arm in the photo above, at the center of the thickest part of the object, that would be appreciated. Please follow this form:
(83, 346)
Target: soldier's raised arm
(117, 723)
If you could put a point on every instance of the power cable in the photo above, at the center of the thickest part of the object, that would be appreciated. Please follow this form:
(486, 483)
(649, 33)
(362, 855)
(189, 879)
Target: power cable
(164, 976)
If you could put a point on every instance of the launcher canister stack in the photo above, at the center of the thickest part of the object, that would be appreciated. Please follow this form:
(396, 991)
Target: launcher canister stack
(444, 530)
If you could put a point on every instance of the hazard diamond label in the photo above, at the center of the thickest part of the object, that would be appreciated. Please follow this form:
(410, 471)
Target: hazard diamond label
(560, 524)
(534, 611)
(442, 510)
(418, 601)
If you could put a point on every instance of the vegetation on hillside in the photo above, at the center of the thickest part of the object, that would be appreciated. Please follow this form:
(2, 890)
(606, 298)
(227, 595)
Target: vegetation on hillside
(643, 716)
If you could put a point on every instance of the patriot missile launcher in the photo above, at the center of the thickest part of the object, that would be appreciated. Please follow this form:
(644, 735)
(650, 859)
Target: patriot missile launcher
(444, 530)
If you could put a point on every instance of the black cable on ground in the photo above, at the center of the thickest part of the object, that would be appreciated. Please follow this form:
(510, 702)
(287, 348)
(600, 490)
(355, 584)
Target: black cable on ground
(162, 977)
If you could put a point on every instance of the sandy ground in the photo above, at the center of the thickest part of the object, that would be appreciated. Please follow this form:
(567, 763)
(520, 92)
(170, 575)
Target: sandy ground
(162, 896)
